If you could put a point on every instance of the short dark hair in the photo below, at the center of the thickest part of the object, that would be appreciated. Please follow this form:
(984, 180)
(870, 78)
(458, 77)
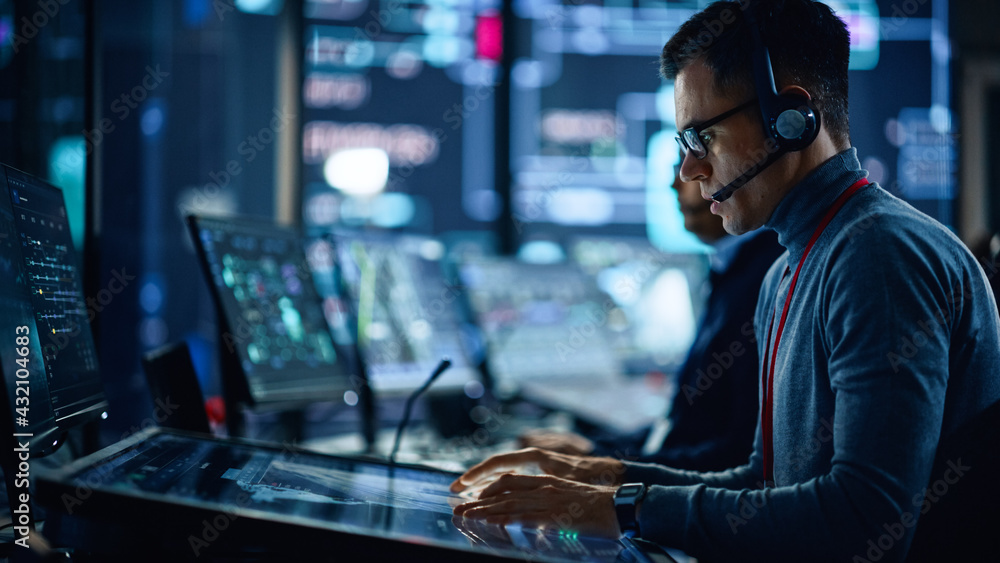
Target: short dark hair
(809, 46)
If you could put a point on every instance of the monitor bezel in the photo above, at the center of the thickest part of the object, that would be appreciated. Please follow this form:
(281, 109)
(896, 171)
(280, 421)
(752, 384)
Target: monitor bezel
(235, 379)
(50, 439)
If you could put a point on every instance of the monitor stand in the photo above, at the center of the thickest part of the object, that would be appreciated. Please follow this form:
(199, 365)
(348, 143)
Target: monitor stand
(366, 400)
(290, 427)
(288, 422)
(449, 414)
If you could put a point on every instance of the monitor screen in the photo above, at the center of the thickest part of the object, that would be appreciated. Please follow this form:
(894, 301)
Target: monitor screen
(394, 510)
(541, 322)
(661, 296)
(398, 113)
(271, 316)
(406, 313)
(48, 352)
(586, 109)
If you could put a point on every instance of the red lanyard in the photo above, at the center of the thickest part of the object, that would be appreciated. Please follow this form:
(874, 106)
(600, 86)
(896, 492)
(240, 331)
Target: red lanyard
(767, 366)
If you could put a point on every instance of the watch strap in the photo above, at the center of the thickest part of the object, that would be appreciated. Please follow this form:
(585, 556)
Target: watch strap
(627, 498)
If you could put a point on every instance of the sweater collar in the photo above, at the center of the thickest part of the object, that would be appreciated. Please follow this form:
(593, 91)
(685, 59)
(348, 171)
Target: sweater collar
(797, 215)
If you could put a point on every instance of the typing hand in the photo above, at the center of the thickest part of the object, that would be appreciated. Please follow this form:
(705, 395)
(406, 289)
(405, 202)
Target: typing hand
(561, 442)
(604, 471)
(547, 502)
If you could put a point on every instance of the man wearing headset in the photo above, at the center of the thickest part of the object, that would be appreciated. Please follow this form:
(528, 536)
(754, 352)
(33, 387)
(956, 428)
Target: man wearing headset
(877, 333)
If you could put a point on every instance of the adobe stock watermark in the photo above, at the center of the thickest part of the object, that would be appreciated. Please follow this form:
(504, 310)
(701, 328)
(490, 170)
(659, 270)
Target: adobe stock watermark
(379, 20)
(721, 363)
(541, 199)
(804, 453)
(122, 107)
(863, 221)
(248, 149)
(31, 26)
(609, 477)
(211, 529)
(162, 410)
(223, 7)
(490, 422)
(391, 350)
(459, 112)
(750, 505)
(556, 14)
(899, 14)
(96, 478)
(245, 331)
(922, 504)
(926, 332)
(712, 30)
(990, 266)
(120, 280)
(598, 318)
(454, 116)
(85, 488)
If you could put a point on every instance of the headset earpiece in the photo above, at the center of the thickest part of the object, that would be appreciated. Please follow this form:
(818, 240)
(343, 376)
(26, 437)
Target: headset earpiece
(790, 120)
(796, 125)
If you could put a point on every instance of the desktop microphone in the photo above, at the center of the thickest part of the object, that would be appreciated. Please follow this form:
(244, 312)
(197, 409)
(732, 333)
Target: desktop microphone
(741, 180)
(441, 368)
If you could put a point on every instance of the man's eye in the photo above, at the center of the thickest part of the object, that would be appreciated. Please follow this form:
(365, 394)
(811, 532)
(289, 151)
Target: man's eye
(705, 138)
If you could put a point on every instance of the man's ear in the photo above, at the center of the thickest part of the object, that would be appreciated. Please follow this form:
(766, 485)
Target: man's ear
(795, 90)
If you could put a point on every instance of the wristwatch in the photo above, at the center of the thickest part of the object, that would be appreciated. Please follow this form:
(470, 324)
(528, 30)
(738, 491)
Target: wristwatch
(627, 498)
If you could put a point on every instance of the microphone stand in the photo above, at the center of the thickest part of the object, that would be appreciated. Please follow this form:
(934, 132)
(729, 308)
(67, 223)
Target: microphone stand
(441, 368)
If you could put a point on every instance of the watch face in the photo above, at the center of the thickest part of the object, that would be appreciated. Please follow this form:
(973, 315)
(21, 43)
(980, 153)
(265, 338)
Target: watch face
(628, 491)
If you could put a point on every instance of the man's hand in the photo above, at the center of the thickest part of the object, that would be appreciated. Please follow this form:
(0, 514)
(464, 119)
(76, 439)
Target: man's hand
(562, 442)
(590, 470)
(545, 501)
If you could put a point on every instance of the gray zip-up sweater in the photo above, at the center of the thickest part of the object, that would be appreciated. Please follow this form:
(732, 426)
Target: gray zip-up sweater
(891, 343)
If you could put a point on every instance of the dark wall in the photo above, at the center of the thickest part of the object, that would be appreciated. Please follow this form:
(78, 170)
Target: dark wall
(184, 86)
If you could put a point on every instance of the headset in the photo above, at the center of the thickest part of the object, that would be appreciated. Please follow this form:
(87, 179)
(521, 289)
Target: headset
(790, 121)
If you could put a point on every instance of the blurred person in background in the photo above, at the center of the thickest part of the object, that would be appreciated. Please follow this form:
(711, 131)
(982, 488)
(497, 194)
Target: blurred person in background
(710, 425)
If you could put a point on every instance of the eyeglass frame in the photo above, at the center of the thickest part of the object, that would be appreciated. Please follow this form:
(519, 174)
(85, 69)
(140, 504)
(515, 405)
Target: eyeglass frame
(695, 132)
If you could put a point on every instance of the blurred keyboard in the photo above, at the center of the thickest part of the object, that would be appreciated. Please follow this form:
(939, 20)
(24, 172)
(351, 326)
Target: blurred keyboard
(423, 446)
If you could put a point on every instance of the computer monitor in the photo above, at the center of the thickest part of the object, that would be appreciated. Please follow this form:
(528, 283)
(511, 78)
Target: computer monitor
(406, 313)
(270, 315)
(660, 295)
(541, 322)
(399, 105)
(47, 353)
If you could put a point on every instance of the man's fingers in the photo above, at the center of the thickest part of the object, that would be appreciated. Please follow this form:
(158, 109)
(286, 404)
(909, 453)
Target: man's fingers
(505, 512)
(510, 482)
(513, 506)
(481, 470)
(537, 519)
(496, 464)
(480, 530)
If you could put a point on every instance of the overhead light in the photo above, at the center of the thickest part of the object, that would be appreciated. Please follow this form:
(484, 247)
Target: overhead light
(357, 172)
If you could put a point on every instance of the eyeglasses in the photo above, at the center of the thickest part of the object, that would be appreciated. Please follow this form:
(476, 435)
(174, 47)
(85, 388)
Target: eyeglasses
(690, 138)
